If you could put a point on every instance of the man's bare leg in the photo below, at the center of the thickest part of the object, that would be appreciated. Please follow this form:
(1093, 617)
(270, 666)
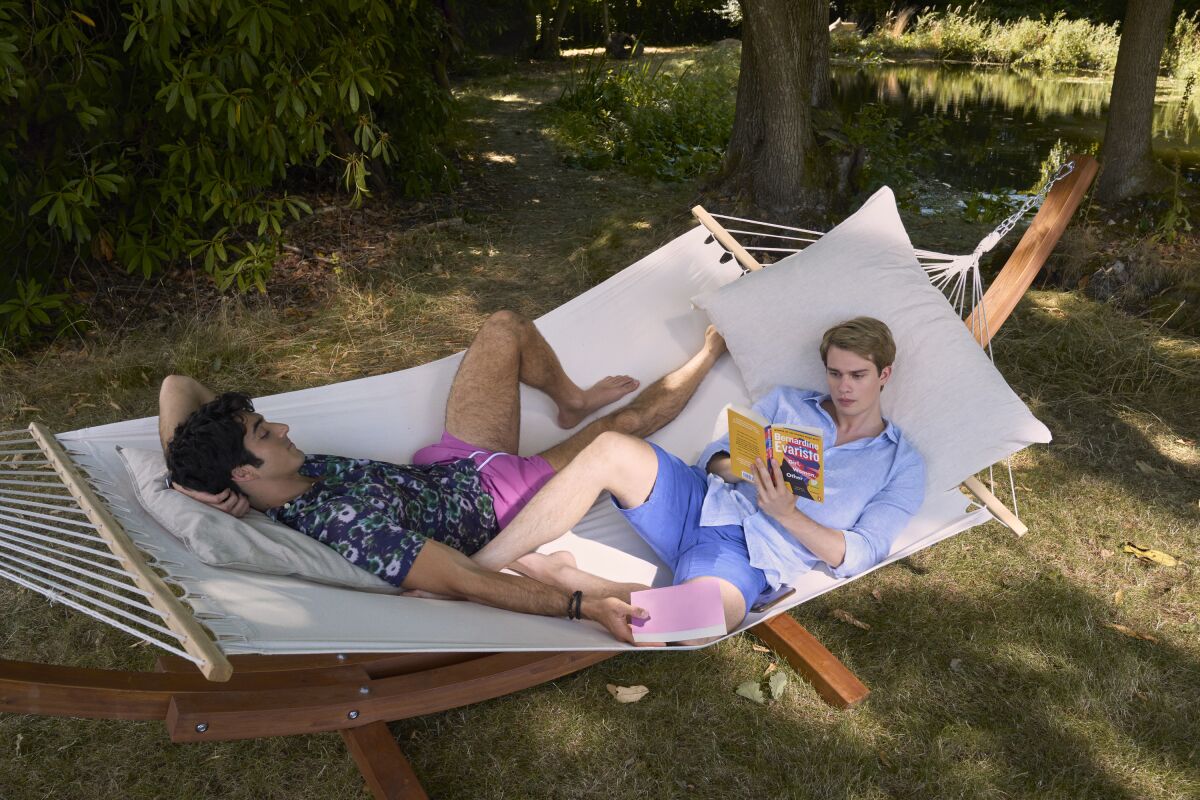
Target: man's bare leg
(484, 407)
(657, 405)
(623, 465)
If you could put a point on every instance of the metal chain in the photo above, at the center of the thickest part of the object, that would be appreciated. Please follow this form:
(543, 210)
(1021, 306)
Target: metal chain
(1010, 222)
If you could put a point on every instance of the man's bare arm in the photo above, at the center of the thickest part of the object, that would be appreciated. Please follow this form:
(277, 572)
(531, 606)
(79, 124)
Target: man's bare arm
(177, 399)
(720, 465)
(443, 570)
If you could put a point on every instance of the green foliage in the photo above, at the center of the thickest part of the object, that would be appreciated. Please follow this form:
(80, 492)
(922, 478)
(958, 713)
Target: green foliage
(1182, 57)
(1057, 43)
(987, 208)
(646, 119)
(1176, 220)
(146, 131)
(30, 310)
(893, 158)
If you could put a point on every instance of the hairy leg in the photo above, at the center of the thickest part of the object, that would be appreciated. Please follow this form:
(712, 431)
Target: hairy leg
(660, 403)
(620, 464)
(484, 407)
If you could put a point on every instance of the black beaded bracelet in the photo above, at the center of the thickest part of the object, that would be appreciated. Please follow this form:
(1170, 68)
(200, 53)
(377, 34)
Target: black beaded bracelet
(574, 606)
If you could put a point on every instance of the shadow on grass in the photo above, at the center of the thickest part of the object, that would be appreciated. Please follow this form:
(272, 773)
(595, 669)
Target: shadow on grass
(1090, 372)
(1019, 692)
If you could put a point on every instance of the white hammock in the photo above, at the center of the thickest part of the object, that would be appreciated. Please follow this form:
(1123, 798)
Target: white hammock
(638, 322)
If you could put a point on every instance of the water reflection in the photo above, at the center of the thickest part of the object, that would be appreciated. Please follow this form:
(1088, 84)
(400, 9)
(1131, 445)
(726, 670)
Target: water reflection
(1001, 124)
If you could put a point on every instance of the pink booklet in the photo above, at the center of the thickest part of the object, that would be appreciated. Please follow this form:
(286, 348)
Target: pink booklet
(688, 611)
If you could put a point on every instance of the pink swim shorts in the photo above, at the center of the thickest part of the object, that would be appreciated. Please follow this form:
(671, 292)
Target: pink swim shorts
(511, 480)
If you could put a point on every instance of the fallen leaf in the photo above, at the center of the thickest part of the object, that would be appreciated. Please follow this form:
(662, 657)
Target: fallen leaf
(883, 759)
(1146, 554)
(777, 684)
(956, 664)
(28, 408)
(1116, 626)
(1188, 442)
(770, 668)
(1106, 553)
(752, 690)
(1149, 470)
(1119, 597)
(846, 616)
(627, 694)
(878, 595)
(758, 648)
(113, 403)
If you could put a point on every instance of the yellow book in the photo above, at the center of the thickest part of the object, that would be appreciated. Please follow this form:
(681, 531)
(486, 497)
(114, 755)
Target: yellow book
(797, 450)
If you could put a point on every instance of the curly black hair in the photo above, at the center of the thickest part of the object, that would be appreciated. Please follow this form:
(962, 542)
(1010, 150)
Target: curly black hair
(209, 445)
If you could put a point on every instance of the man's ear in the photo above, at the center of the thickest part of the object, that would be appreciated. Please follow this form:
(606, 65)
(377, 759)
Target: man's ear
(884, 374)
(243, 473)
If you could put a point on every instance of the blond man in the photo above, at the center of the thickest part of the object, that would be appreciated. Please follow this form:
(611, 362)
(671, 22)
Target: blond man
(706, 523)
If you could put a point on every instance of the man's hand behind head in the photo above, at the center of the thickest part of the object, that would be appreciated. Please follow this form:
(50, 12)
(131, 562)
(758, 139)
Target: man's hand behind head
(226, 500)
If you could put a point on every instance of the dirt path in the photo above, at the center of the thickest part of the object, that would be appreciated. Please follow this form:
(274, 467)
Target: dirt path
(548, 231)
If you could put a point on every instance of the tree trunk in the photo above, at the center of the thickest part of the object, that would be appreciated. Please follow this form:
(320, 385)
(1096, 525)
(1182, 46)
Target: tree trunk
(548, 45)
(1128, 167)
(607, 25)
(774, 160)
(819, 43)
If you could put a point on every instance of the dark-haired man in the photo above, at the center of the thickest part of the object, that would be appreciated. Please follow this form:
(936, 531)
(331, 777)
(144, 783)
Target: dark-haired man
(416, 525)
(707, 523)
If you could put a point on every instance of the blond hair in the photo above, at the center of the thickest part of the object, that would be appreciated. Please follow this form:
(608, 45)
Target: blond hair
(864, 336)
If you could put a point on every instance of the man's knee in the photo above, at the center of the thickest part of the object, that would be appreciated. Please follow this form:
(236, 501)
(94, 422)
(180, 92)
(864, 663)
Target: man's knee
(611, 445)
(504, 322)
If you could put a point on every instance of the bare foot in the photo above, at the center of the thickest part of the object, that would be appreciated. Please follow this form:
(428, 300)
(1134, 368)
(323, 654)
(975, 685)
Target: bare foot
(562, 558)
(608, 390)
(545, 568)
(559, 569)
(714, 343)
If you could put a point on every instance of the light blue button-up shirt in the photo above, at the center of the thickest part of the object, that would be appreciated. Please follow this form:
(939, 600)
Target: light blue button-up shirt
(872, 488)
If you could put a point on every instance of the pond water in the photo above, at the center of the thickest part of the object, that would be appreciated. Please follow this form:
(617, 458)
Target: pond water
(1001, 124)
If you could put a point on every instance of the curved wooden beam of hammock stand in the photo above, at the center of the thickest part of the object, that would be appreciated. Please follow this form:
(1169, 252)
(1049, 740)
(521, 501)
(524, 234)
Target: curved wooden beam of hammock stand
(274, 695)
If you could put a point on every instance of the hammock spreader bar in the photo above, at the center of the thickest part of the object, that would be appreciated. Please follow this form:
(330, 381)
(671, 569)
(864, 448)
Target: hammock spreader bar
(195, 643)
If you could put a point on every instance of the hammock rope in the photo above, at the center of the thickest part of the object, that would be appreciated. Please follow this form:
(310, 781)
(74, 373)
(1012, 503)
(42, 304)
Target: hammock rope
(48, 545)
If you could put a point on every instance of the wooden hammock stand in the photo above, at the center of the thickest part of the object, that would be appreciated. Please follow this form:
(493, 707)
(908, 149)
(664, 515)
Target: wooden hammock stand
(281, 695)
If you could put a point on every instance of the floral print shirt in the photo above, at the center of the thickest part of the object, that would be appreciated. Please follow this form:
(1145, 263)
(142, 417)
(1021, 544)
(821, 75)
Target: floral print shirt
(379, 515)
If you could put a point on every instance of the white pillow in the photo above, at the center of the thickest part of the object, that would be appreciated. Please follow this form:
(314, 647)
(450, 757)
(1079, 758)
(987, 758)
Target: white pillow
(254, 543)
(944, 393)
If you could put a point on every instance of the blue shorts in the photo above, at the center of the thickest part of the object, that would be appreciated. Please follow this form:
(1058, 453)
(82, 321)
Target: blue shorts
(669, 521)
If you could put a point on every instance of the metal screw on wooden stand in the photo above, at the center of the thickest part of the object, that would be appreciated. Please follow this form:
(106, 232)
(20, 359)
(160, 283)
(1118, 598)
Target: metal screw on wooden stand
(341, 656)
(352, 715)
(364, 690)
(201, 727)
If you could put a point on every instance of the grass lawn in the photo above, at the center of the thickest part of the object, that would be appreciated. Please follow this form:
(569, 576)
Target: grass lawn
(994, 667)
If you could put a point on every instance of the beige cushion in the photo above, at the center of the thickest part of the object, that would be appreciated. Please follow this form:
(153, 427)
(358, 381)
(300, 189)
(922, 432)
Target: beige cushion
(945, 394)
(254, 543)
